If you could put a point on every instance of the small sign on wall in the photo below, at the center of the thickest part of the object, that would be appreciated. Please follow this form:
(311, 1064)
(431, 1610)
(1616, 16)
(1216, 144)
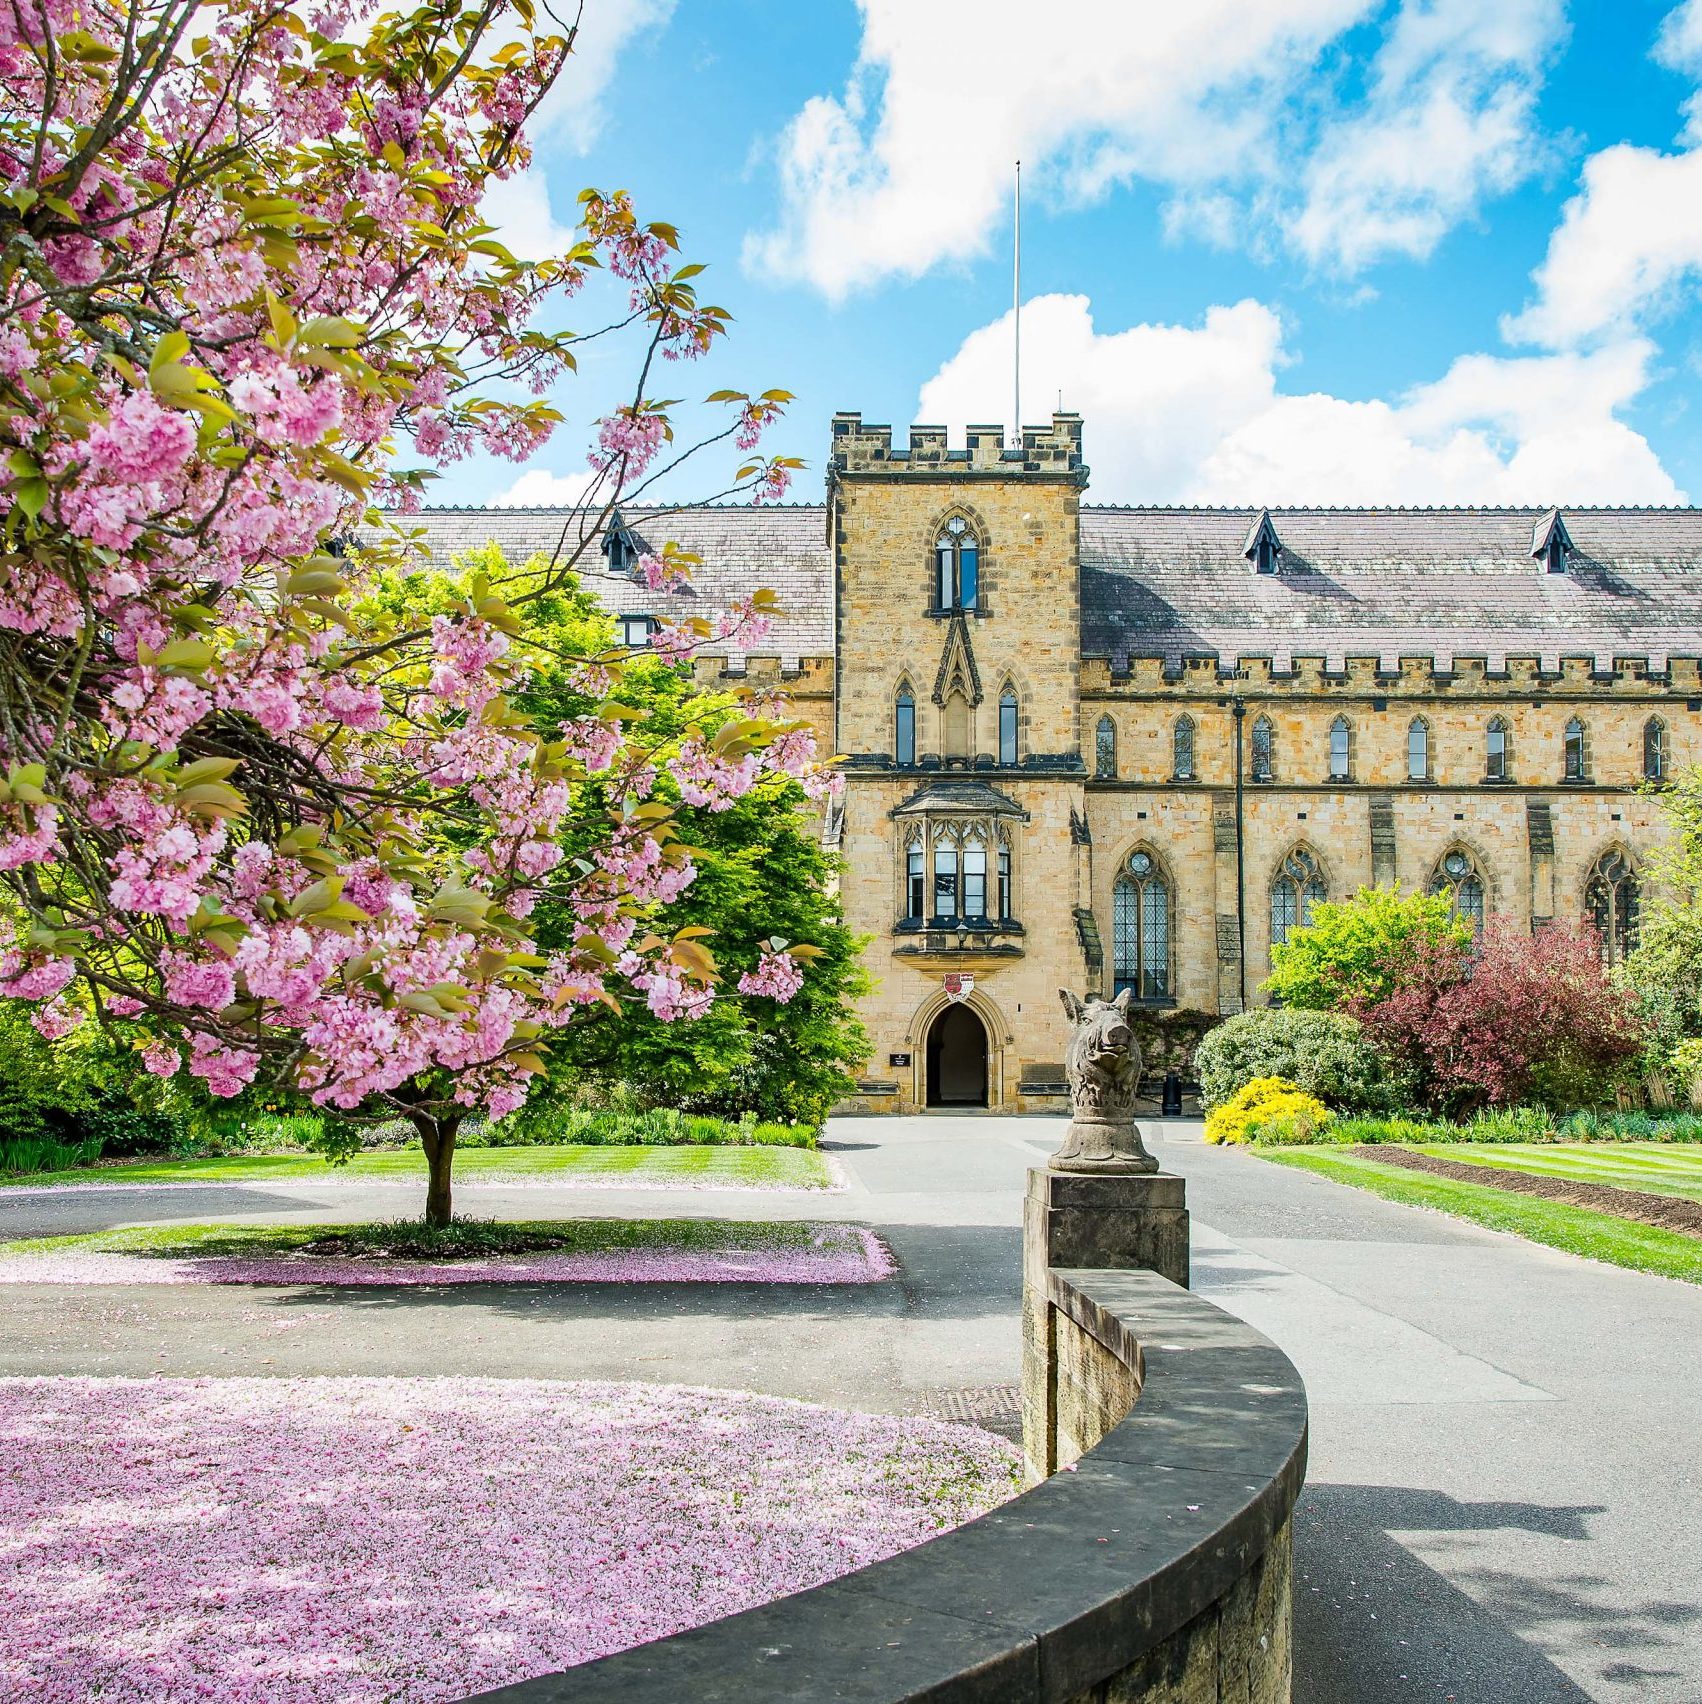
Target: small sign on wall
(900, 1059)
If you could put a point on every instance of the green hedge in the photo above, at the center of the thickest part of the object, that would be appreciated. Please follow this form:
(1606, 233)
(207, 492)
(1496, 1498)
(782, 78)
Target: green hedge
(1324, 1053)
(658, 1127)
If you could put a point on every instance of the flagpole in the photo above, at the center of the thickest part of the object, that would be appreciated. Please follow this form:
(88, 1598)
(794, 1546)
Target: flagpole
(1016, 316)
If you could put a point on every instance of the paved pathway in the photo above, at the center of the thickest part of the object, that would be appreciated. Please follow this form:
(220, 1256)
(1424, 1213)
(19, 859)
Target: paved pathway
(1503, 1500)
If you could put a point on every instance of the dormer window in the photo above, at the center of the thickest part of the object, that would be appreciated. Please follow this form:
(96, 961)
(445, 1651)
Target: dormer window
(957, 566)
(621, 548)
(1263, 548)
(1551, 544)
(636, 631)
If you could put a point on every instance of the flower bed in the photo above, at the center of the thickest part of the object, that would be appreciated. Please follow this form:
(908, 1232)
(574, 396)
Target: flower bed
(304, 1541)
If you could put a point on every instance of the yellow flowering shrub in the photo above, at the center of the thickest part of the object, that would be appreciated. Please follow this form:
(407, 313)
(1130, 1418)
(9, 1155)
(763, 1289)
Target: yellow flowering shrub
(1268, 1109)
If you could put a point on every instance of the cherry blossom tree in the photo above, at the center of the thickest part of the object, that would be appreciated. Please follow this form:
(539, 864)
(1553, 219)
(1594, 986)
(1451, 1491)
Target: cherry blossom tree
(251, 811)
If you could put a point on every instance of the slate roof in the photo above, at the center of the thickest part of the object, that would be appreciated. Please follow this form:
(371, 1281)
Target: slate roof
(744, 549)
(1388, 583)
(1174, 583)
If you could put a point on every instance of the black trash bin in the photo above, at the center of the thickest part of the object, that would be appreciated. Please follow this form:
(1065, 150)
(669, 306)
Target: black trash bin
(1172, 1095)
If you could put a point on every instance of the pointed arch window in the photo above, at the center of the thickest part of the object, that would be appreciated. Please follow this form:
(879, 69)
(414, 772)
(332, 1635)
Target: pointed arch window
(1576, 758)
(904, 742)
(974, 863)
(1264, 749)
(1341, 749)
(1655, 756)
(1496, 754)
(1141, 929)
(1612, 901)
(1459, 878)
(1182, 749)
(1105, 748)
(1299, 886)
(1007, 727)
(1418, 750)
(957, 565)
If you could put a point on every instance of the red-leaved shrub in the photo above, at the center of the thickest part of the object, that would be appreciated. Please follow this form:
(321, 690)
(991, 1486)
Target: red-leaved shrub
(1518, 1018)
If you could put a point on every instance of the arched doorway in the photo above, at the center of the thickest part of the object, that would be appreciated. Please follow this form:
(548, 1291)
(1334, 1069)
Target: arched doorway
(957, 1059)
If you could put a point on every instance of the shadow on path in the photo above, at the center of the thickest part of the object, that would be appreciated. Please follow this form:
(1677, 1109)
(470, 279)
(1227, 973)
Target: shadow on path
(1374, 1623)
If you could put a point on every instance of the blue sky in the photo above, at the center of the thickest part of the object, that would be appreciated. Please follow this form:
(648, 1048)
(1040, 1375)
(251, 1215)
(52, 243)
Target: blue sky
(1274, 250)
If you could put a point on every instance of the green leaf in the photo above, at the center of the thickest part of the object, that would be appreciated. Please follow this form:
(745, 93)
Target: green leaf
(330, 331)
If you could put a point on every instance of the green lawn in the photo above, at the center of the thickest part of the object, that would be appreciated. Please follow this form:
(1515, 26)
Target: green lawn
(1657, 1168)
(1598, 1236)
(730, 1167)
(408, 1239)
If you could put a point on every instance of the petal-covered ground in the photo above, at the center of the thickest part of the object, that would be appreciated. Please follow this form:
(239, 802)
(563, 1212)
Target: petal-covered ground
(347, 1541)
(837, 1254)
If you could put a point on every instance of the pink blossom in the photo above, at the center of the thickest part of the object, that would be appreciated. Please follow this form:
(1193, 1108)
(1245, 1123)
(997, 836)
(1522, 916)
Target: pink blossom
(777, 975)
(210, 983)
(57, 1018)
(161, 1060)
(25, 841)
(225, 1070)
(140, 441)
(35, 978)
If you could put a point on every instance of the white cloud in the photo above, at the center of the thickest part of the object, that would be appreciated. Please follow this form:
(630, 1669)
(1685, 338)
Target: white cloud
(1630, 242)
(1195, 414)
(573, 110)
(1448, 121)
(519, 208)
(571, 115)
(1678, 46)
(1626, 245)
(1216, 101)
(538, 488)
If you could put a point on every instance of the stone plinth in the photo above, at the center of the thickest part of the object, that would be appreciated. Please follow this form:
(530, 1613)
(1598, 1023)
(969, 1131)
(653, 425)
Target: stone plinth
(1074, 1389)
(1108, 1221)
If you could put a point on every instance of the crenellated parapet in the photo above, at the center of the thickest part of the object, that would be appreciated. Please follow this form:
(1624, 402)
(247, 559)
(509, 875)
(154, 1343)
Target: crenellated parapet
(1426, 677)
(1048, 452)
(801, 677)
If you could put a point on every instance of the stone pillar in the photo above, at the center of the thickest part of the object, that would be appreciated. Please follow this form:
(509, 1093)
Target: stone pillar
(1104, 1221)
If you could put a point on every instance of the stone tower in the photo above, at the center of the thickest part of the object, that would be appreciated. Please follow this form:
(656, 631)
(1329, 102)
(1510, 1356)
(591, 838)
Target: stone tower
(958, 663)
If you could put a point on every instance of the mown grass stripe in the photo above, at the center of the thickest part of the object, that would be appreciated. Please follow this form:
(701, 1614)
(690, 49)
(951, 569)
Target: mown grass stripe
(1684, 1182)
(1574, 1230)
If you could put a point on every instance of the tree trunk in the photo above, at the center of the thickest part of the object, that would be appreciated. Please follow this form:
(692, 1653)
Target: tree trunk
(437, 1137)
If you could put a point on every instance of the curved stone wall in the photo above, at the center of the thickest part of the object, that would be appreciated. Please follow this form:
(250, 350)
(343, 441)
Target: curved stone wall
(1154, 1567)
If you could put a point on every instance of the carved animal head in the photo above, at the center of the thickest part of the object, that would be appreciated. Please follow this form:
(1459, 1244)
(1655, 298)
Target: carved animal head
(1102, 1039)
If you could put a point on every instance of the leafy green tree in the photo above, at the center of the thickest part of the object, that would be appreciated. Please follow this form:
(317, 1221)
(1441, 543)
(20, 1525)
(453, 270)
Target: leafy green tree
(762, 877)
(1665, 968)
(1351, 949)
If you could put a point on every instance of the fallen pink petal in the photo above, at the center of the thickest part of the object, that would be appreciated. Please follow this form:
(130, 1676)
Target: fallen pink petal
(346, 1541)
(840, 1255)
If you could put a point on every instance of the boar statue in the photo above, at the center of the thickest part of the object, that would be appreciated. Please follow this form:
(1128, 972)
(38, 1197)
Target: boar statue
(1103, 1063)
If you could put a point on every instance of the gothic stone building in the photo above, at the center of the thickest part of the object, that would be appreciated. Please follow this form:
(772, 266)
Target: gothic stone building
(1128, 747)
